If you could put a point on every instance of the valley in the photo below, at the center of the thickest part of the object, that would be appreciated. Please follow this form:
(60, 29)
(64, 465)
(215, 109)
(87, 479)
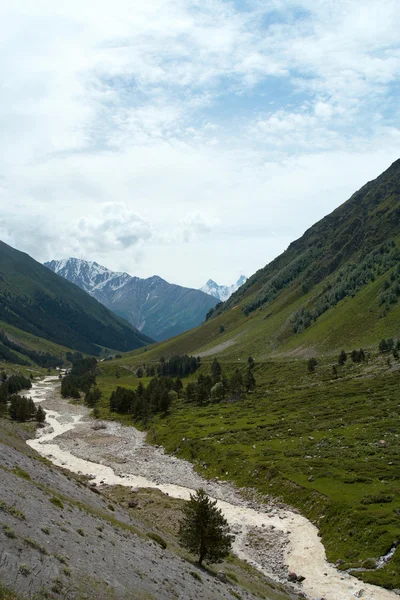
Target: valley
(111, 454)
(286, 396)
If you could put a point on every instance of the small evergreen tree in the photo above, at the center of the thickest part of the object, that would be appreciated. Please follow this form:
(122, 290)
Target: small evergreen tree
(216, 371)
(383, 347)
(236, 383)
(312, 363)
(342, 358)
(204, 530)
(249, 382)
(40, 415)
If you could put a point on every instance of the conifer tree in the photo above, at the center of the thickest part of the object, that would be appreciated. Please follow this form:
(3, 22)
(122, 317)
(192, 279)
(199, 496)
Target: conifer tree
(40, 415)
(204, 530)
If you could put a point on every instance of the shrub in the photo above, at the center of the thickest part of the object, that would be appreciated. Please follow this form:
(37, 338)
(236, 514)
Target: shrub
(157, 538)
(57, 502)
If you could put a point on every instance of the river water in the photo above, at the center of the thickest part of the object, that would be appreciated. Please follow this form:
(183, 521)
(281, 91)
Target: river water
(118, 455)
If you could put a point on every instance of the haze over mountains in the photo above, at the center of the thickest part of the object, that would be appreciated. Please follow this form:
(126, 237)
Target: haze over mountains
(157, 308)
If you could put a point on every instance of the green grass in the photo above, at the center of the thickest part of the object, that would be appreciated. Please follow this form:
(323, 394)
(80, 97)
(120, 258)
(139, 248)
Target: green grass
(312, 441)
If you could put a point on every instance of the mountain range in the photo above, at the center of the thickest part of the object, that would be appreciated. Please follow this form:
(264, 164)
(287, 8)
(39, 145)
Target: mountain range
(155, 307)
(222, 292)
(37, 301)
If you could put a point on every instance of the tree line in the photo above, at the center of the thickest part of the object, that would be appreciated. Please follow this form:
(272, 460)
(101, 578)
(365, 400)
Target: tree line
(157, 397)
(80, 378)
(20, 408)
(180, 365)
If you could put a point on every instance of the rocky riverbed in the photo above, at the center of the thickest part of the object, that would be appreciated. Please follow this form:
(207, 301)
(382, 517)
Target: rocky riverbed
(276, 540)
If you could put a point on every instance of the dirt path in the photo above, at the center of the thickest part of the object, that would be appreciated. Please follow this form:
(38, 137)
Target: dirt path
(271, 537)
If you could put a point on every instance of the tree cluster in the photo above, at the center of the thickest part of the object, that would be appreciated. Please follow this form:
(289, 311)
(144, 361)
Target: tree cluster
(19, 407)
(80, 378)
(388, 345)
(24, 409)
(177, 366)
(43, 359)
(350, 279)
(282, 279)
(217, 386)
(144, 402)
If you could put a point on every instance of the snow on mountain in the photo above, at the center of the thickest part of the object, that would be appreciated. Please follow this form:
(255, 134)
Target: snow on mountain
(222, 292)
(88, 275)
(151, 305)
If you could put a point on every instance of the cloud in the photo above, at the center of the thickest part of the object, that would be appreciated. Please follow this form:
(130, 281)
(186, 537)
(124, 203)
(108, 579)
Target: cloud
(115, 228)
(182, 132)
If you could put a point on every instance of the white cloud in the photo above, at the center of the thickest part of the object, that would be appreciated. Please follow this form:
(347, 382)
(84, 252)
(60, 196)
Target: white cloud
(204, 127)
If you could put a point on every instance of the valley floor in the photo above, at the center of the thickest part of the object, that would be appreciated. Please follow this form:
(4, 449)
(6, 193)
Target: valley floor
(270, 536)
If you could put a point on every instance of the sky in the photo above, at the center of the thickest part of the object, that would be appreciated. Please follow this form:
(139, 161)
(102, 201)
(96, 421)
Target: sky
(191, 139)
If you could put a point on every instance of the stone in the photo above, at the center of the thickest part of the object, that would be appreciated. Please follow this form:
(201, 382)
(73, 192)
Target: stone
(133, 504)
(222, 577)
(311, 478)
(292, 577)
(382, 443)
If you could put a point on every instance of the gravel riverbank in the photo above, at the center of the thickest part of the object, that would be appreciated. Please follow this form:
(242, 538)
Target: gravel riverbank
(270, 536)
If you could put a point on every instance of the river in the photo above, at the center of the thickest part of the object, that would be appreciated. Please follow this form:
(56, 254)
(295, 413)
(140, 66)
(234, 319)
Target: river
(112, 454)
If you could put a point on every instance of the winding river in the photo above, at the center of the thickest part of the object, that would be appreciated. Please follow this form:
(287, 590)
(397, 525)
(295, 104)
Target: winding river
(112, 454)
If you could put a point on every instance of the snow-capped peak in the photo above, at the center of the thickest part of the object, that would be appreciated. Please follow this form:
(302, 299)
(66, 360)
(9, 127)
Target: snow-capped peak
(222, 292)
(89, 275)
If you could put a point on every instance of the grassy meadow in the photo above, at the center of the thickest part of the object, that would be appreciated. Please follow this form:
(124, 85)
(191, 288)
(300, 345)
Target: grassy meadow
(327, 446)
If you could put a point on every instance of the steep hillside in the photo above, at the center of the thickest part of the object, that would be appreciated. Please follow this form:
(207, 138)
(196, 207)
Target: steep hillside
(337, 286)
(37, 301)
(157, 308)
(64, 538)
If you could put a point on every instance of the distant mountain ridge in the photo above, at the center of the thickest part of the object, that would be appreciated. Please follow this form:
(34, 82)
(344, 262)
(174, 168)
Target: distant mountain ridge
(157, 308)
(35, 300)
(222, 292)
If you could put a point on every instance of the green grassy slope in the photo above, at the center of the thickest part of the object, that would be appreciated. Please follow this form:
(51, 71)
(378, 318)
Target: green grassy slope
(34, 299)
(311, 439)
(338, 285)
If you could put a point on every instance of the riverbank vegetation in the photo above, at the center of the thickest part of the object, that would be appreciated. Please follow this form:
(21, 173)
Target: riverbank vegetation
(324, 441)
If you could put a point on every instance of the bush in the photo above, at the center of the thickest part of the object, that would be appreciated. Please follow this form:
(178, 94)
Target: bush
(57, 502)
(157, 538)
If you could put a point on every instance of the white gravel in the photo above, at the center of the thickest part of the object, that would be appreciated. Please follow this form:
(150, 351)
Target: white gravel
(269, 536)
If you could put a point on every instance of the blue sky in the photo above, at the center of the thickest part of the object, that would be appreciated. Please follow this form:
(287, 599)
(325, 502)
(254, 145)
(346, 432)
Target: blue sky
(185, 138)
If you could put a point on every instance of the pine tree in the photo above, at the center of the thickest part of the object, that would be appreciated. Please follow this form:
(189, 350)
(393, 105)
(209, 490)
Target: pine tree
(204, 530)
(250, 382)
(216, 371)
(40, 415)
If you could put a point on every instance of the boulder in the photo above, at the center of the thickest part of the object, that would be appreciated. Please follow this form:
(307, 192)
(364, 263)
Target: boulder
(222, 577)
